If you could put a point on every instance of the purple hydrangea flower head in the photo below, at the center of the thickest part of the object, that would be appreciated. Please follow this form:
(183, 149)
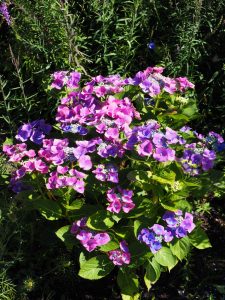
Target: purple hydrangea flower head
(24, 132)
(120, 256)
(73, 80)
(171, 136)
(59, 79)
(178, 225)
(159, 140)
(75, 128)
(184, 83)
(88, 238)
(152, 237)
(5, 13)
(78, 225)
(121, 200)
(107, 172)
(85, 162)
(102, 238)
(164, 154)
(181, 225)
(35, 131)
(145, 148)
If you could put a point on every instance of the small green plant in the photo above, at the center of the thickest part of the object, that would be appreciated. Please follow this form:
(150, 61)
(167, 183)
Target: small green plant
(7, 288)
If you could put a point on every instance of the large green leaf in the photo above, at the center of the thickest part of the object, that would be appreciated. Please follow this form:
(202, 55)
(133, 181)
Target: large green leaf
(165, 178)
(101, 220)
(139, 175)
(199, 239)
(64, 235)
(96, 267)
(145, 207)
(48, 208)
(153, 271)
(76, 204)
(165, 258)
(111, 245)
(137, 226)
(128, 282)
(190, 110)
(181, 248)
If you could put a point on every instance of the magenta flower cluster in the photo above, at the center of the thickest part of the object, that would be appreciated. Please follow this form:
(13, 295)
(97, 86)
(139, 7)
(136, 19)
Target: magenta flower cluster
(120, 199)
(200, 156)
(89, 239)
(120, 256)
(154, 84)
(94, 109)
(150, 140)
(34, 131)
(178, 226)
(5, 13)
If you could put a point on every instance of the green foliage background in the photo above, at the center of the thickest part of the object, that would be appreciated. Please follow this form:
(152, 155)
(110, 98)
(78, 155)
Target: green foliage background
(105, 37)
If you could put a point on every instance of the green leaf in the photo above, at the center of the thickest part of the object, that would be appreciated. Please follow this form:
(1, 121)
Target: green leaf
(137, 225)
(82, 259)
(165, 258)
(134, 297)
(112, 245)
(116, 218)
(84, 256)
(76, 204)
(142, 176)
(181, 248)
(190, 110)
(100, 220)
(96, 267)
(48, 208)
(145, 207)
(165, 177)
(128, 282)
(183, 205)
(8, 141)
(199, 239)
(64, 235)
(61, 232)
(169, 205)
(153, 271)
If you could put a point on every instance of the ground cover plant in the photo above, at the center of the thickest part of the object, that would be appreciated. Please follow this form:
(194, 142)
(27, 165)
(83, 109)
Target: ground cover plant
(121, 169)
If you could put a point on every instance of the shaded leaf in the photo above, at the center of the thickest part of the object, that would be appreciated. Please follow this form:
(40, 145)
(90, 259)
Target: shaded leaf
(181, 248)
(165, 258)
(199, 239)
(96, 267)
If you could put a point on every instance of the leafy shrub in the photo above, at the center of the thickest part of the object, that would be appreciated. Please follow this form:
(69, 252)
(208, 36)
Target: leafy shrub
(121, 169)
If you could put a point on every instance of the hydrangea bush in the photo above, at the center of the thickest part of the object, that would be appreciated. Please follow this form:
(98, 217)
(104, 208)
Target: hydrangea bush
(119, 168)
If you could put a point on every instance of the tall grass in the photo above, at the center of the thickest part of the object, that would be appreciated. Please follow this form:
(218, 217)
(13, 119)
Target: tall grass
(109, 36)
